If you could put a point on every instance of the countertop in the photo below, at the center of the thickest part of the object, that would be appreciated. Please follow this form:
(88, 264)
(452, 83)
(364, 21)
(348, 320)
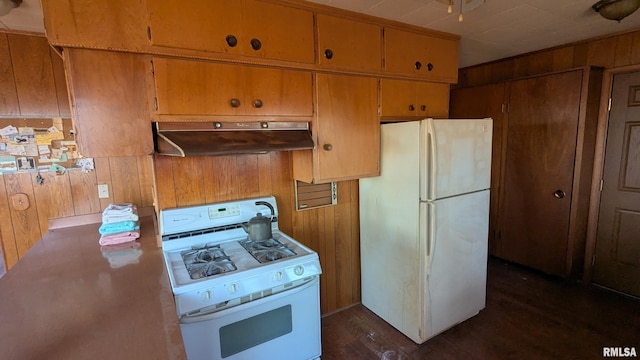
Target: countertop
(69, 299)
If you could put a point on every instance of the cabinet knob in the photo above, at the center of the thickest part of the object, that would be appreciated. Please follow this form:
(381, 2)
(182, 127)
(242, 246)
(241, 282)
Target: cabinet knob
(423, 107)
(234, 103)
(418, 65)
(256, 44)
(559, 194)
(429, 66)
(327, 147)
(328, 53)
(232, 41)
(411, 107)
(257, 103)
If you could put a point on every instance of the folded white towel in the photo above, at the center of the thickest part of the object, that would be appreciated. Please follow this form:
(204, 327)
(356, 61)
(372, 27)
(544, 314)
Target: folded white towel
(119, 212)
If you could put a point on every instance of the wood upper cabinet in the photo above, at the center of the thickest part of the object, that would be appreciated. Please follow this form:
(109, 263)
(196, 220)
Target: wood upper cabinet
(32, 80)
(113, 24)
(403, 99)
(345, 43)
(187, 87)
(346, 131)
(110, 102)
(248, 27)
(425, 56)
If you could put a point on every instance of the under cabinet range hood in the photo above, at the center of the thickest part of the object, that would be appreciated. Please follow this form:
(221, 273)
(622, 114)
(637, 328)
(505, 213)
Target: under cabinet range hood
(230, 138)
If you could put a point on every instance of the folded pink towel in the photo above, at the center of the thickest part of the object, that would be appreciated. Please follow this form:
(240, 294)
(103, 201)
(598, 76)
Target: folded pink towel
(119, 238)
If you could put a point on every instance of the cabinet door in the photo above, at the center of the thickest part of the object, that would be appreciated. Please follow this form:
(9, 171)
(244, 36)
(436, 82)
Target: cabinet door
(539, 169)
(421, 55)
(398, 98)
(8, 93)
(277, 92)
(347, 128)
(432, 99)
(113, 24)
(348, 44)
(283, 33)
(185, 87)
(110, 105)
(198, 25)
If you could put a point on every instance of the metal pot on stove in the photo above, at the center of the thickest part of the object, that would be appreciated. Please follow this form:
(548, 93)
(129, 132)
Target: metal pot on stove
(259, 227)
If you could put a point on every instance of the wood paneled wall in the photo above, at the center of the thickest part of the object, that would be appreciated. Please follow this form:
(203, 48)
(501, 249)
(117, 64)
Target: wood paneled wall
(331, 231)
(607, 52)
(130, 179)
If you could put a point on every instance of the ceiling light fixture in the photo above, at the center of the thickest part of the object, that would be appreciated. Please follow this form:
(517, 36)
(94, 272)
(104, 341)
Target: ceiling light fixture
(7, 5)
(616, 9)
(465, 5)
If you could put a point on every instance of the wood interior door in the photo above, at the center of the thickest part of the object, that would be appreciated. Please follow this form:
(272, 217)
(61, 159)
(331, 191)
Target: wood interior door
(486, 101)
(539, 166)
(347, 127)
(617, 262)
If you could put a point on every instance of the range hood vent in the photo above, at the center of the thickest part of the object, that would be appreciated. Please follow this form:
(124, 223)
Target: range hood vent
(230, 138)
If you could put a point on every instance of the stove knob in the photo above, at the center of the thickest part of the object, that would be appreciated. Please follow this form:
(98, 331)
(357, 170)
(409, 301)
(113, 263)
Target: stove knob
(206, 295)
(232, 288)
(278, 276)
(298, 270)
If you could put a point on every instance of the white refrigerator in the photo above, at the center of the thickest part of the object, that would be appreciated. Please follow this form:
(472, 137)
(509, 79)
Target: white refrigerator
(424, 225)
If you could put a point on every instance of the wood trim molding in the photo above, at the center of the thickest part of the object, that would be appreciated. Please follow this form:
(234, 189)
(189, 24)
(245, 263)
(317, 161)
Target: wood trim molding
(598, 166)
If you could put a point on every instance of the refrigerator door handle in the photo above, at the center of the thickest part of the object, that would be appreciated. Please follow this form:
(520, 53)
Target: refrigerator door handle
(431, 167)
(431, 235)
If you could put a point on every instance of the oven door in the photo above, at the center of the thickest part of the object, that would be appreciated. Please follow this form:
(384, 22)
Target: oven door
(283, 326)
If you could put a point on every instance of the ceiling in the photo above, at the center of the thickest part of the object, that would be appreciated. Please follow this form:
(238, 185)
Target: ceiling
(494, 30)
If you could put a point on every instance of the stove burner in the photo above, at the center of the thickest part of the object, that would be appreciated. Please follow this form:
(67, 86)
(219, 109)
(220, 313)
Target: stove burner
(207, 260)
(267, 250)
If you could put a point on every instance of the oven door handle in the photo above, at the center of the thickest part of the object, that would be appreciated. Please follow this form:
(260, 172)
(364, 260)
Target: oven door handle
(188, 319)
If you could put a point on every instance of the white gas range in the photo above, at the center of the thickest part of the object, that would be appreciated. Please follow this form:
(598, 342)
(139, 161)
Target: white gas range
(236, 298)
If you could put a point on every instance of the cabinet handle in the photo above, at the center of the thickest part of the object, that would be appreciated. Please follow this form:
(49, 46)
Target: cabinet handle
(328, 53)
(423, 107)
(418, 65)
(232, 41)
(411, 107)
(234, 103)
(429, 66)
(327, 147)
(256, 44)
(559, 194)
(257, 103)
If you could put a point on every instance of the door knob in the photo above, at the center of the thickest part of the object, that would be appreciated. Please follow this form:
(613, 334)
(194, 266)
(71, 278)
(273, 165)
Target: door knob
(327, 147)
(559, 194)
(256, 44)
(232, 41)
(234, 103)
(328, 53)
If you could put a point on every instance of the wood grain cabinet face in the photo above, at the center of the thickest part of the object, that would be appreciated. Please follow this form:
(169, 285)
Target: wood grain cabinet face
(113, 24)
(407, 99)
(110, 102)
(420, 55)
(248, 27)
(347, 43)
(186, 87)
(347, 131)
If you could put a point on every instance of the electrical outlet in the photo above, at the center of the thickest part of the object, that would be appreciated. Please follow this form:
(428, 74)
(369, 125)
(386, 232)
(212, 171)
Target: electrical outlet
(103, 191)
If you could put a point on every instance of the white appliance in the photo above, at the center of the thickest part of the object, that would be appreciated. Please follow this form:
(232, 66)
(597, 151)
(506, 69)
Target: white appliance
(236, 298)
(424, 225)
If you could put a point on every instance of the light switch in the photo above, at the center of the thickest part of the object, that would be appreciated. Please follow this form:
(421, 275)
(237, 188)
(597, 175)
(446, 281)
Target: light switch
(103, 191)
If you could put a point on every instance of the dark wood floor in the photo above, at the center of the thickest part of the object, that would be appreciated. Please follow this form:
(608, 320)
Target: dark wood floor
(528, 316)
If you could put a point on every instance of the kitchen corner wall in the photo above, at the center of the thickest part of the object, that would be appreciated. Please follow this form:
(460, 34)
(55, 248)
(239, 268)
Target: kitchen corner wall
(32, 87)
(331, 231)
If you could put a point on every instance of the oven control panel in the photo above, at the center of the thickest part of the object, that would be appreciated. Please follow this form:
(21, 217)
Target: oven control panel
(224, 211)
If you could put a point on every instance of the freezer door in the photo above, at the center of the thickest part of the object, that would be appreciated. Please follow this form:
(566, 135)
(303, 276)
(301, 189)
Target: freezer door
(455, 157)
(457, 231)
